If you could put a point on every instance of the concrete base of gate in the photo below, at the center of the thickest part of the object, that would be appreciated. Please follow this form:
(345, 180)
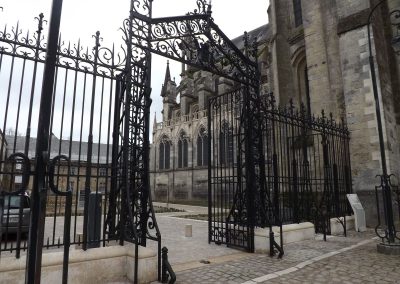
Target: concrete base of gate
(337, 227)
(291, 233)
(98, 265)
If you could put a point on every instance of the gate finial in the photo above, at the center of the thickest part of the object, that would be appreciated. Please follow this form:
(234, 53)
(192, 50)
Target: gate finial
(209, 11)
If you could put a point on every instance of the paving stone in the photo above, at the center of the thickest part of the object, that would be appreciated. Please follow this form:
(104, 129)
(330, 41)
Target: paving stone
(357, 265)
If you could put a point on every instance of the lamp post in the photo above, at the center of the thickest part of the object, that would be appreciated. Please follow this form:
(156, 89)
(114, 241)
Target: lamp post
(389, 236)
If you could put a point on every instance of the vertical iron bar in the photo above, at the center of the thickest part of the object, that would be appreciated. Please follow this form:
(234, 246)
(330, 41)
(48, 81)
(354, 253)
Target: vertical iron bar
(210, 177)
(36, 232)
(57, 198)
(28, 128)
(99, 166)
(119, 89)
(106, 203)
(67, 236)
(8, 95)
(90, 144)
(20, 213)
(77, 198)
(71, 134)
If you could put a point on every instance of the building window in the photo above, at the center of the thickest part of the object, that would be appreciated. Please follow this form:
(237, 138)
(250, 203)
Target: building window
(202, 148)
(226, 145)
(298, 17)
(183, 148)
(303, 88)
(73, 171)
(103, 172)
(307, 90)
(102, 188)
(165, 148)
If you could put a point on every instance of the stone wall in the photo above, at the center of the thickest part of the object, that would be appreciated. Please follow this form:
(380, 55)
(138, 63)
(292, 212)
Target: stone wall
(322, 49)
(359, 98)
(360, 102)
(360, 108)
(179, 185)
(283, 85)
(98, 265)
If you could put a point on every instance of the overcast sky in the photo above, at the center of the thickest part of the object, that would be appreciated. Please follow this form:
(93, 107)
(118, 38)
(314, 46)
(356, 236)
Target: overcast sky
(82, 18)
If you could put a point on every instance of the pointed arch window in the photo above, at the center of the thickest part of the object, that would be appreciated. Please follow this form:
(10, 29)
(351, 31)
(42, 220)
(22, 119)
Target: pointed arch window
(226, 145)
(183, 148)
(202, 148)
(165, 153)
(298, 17)
(303, 87)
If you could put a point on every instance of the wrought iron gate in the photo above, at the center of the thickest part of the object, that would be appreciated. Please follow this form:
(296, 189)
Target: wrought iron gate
(195, 40)
(229, 210)
(97, 141)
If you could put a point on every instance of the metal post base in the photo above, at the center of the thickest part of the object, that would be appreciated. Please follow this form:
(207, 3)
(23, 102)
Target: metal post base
(389, 249)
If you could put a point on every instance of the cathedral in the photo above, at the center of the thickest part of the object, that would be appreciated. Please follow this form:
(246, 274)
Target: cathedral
(313, 53)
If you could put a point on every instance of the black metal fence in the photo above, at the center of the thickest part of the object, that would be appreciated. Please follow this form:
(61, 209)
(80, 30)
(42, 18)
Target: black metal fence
(307, 164)
(84, 158)
(82, 75)
(302, 163)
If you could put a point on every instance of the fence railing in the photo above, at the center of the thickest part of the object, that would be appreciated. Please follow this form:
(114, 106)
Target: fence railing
(85, 90)
(303, 167)
(307, 163)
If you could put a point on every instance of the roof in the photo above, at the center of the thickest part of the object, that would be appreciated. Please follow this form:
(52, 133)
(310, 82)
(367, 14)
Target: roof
(262, 33)
(62, 147)
(167, 79)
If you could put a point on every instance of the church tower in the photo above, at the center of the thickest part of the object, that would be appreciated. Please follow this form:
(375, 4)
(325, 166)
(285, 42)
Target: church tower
(168, 93)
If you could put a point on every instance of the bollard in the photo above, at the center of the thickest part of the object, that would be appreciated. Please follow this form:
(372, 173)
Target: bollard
(94, 220)
(188, 231)
(167, 273)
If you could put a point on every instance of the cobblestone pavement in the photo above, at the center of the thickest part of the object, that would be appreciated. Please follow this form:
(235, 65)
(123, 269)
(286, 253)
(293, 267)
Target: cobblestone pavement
(353, 259)
(359, 265)
(306, 262)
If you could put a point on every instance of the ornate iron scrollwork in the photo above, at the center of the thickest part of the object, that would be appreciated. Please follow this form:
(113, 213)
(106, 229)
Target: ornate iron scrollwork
(52, 166)
(26, 172)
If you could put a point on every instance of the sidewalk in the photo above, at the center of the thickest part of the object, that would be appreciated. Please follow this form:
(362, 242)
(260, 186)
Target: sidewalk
(188, 252)
(338, 260)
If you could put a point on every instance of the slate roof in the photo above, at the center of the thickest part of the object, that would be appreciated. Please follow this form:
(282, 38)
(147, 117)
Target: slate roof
(262, 33)
(76, 149)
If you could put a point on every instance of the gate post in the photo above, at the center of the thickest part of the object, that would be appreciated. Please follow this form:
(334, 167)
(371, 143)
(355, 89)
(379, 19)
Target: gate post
(252, 183)
(38, 216)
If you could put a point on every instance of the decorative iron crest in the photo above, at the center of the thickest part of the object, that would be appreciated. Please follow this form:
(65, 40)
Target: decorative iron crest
(300, 116)
(99, 60)
(202, 8)
(142, 7)
(198, 42)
